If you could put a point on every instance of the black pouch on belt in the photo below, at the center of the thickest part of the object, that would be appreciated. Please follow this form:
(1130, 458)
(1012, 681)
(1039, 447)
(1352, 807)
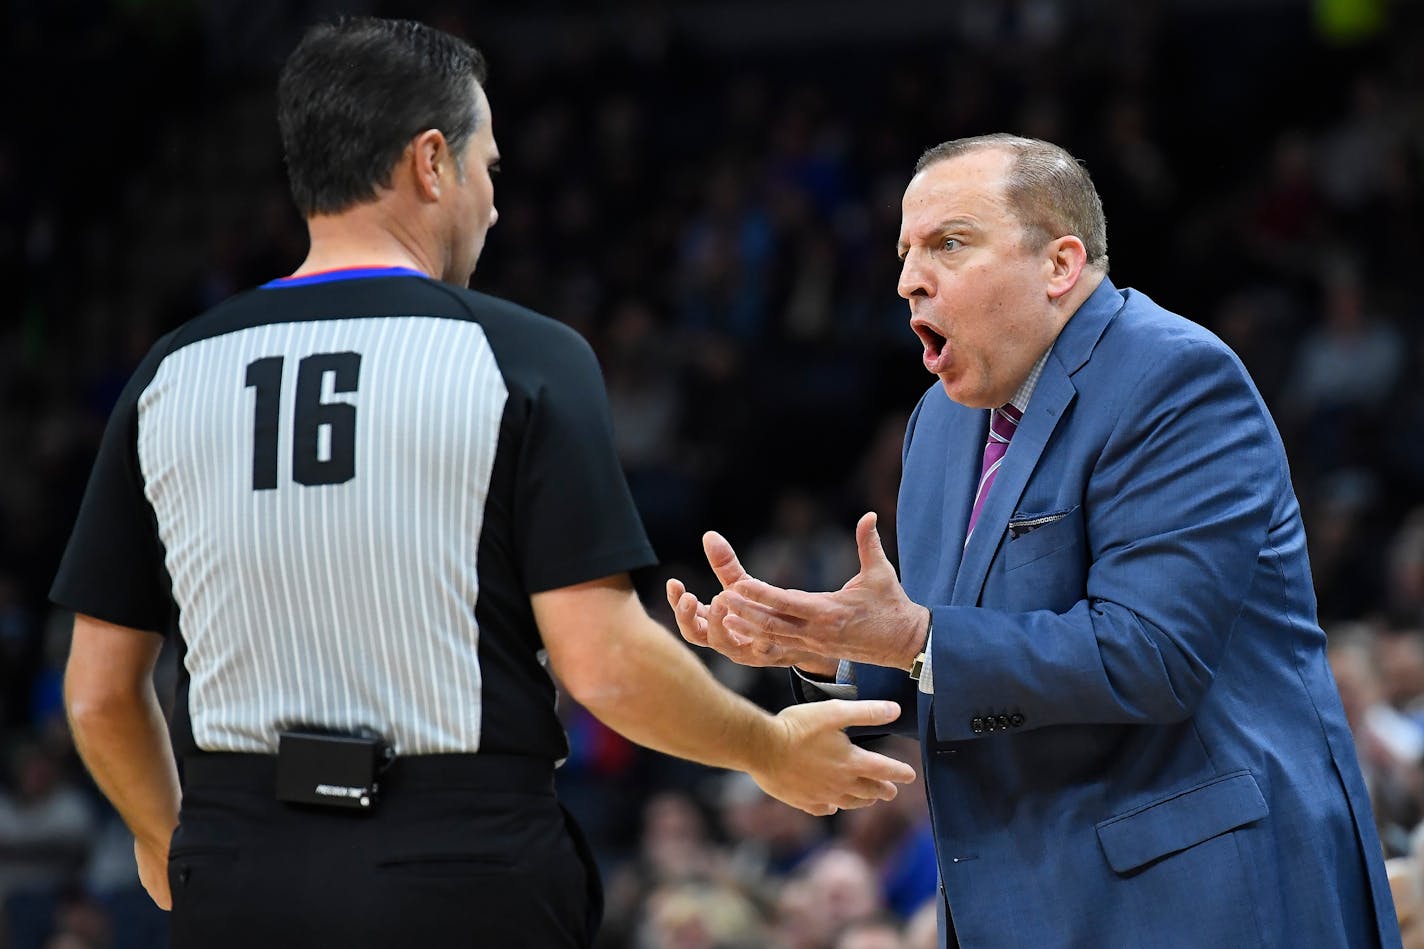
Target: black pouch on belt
(331, 769)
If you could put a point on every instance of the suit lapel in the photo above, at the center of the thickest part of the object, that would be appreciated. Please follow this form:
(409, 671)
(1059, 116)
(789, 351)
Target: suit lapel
(1050, 399)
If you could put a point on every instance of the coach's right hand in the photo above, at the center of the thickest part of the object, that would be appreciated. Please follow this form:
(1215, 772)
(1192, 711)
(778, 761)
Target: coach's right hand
(701, 623)
(812, 765)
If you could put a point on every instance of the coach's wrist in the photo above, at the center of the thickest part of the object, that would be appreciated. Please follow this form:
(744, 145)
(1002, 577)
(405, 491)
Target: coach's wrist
(818, 668)
(917, 637)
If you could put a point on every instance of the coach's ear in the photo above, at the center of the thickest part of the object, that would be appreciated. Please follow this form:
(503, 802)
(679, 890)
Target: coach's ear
(1063, 263)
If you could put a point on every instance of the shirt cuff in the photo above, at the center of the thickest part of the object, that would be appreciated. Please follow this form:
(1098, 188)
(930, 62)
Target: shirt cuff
(843, 688)
(927, 670)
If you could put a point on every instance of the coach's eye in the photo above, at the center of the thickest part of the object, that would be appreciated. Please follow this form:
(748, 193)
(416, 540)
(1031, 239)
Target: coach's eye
(951, 243)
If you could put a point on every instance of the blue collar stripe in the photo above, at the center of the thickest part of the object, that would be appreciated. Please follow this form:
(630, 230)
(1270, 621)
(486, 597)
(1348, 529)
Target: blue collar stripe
(345, 273)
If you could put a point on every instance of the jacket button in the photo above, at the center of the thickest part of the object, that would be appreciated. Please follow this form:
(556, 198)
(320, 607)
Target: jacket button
(1003, 721)
(1017, 720)
(977, 725)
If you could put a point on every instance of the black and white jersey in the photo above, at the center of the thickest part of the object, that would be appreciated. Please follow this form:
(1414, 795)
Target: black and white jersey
(341, 490)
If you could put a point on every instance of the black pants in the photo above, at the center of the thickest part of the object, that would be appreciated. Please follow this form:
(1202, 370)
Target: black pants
(462, 851)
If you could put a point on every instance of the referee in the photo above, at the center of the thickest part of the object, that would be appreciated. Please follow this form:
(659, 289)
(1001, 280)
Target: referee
(375, 510)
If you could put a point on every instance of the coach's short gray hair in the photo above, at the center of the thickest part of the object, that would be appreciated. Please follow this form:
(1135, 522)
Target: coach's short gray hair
(1047, 188)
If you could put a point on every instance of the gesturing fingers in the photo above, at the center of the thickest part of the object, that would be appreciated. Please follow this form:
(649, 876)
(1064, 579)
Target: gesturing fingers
(750, 621)
(851, 802)
(722, 559)
(881, 770)
(878, 790)
(842, 713)
(791, 603)
(722, 638)
(867, 543)
(690, 614)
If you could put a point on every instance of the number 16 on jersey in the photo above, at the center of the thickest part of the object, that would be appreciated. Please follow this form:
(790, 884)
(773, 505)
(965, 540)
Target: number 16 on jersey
(323, 433)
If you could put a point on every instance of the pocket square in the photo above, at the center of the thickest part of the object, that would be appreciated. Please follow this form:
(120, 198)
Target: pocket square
(1022, 525)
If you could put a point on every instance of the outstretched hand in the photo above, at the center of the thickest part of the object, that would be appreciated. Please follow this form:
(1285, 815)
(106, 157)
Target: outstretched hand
(703, 624)
(816, 767)
(870, 619)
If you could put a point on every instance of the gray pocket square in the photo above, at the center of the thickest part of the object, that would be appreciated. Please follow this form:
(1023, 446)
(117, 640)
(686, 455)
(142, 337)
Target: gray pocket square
(1022, 525)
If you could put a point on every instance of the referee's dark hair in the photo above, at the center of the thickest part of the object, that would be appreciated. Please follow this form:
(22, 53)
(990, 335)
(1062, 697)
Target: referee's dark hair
(356, 91)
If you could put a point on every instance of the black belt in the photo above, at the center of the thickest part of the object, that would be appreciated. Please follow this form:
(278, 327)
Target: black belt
(479, 772)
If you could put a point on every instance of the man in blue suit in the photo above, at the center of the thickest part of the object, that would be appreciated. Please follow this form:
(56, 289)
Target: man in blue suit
(1107, 626)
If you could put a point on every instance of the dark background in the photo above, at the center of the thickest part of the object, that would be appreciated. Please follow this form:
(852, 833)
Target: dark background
(710, 193)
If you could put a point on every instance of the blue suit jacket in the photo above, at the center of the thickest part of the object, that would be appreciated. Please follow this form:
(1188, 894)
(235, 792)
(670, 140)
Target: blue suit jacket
(1135, 739)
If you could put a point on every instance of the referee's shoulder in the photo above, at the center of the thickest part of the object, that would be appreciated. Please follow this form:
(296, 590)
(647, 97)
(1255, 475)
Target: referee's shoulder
(518, 329)
(213, 321)
(488, 308)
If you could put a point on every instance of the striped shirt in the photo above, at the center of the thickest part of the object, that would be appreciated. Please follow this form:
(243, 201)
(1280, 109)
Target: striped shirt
(340, 491)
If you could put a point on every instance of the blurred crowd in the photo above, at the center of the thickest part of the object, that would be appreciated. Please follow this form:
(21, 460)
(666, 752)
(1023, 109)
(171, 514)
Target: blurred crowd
(716, 210)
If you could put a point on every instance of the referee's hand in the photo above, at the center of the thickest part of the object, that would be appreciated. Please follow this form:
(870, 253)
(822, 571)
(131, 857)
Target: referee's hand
(153, 871)
(816, 767)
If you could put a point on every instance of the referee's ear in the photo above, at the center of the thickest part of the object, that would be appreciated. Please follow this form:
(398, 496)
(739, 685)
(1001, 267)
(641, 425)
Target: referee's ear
(430, 165)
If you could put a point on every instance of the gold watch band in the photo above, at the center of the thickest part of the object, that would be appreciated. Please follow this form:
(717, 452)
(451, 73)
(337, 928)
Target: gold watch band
(918, 665)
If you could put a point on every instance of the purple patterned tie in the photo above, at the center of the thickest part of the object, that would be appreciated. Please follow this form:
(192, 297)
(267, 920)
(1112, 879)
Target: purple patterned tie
(1002, 425)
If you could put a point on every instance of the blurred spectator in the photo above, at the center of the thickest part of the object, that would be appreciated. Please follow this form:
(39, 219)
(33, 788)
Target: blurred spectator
(1250, 322)
(877, 482)
(725, 258)
(641, 367)
(835, 889)
(700, 916)
(1285, 219)
(675, 839)
(19, 651)
(1390, 745)
(46, 829)
(1344, 562)
(1399, 654)
(767, 840)
(674, 852)
(1356, 153)
(873, 933)
(801, 549)
(922, 931)
(1406, 883)
(1406, 568)
(895, 837)
(1344, 370)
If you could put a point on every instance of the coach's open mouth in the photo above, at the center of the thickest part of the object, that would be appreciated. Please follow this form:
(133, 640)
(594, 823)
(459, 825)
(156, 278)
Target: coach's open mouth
(936, 345)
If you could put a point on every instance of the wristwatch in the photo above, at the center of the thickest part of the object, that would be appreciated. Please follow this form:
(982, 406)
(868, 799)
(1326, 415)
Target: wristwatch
(918, 665)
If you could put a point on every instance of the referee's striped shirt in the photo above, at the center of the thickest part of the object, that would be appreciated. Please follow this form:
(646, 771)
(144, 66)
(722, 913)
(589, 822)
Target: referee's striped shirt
(340, 491)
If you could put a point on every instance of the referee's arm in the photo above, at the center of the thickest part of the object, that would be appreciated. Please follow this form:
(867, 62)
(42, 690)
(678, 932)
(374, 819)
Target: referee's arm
(638, 679)
(120, 733)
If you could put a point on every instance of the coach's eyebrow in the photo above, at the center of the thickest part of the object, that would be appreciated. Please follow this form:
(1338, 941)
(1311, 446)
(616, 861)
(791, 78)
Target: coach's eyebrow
(941, 230)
